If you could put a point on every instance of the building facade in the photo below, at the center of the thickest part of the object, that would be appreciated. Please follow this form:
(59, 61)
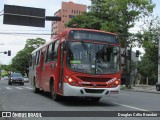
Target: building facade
(68, 11)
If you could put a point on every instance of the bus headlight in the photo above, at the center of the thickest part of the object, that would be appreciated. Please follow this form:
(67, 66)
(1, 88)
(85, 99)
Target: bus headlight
(117, 82)
(72, 82)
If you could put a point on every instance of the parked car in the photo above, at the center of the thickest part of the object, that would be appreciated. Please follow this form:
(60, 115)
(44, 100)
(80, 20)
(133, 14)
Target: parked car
(16, 78)
(158, 86)
(5, 78)
(1, 78)
(26, 79)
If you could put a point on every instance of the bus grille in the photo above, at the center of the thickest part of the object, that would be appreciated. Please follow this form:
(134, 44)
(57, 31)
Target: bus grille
(93, 91)
(92, 79)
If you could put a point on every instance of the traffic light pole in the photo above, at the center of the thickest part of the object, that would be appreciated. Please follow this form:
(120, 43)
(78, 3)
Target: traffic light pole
(127, 78)
(159, 59)
(5, 52)
(130, 68)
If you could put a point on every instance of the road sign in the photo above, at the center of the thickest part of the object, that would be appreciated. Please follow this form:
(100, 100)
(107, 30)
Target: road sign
(27, 16)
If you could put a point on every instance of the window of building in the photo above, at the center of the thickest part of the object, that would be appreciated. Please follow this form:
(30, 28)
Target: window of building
(71, 16)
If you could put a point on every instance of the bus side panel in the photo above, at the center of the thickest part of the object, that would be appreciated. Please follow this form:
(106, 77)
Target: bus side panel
(40, 69)
(46, 76)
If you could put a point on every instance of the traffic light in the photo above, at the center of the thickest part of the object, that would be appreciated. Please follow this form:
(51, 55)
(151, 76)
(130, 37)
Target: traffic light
(5, 52)
(9, 53)
(137, 53)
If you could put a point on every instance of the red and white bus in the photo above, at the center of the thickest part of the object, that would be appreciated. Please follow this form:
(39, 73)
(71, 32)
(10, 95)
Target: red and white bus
(78, 62)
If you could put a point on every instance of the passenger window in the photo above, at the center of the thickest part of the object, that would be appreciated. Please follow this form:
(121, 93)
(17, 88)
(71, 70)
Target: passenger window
(52, 51)
(56, 49)
(49, 56)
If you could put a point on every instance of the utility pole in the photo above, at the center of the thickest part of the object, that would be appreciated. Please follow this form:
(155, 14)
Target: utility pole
(159, 59)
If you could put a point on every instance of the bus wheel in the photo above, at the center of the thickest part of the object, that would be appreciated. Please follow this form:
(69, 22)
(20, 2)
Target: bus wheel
(54, 96)
(36, 90)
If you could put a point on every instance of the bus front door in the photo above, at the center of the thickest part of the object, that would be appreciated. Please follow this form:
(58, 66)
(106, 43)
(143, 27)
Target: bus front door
(61, 70)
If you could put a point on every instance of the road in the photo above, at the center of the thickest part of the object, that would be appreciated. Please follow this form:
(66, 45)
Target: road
(22, 98)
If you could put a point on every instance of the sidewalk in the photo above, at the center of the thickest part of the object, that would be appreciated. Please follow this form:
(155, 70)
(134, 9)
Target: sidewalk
(144, 88)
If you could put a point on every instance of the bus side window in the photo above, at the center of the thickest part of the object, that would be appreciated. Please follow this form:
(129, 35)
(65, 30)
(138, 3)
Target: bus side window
(46, 60)
(55, 54)
(37, 57)
(50, 53)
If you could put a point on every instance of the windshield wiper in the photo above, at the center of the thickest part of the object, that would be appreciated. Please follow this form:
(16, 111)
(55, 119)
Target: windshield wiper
(84, 45)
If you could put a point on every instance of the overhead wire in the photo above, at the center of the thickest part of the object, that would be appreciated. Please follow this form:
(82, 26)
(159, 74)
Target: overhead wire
(14, 33)
(2, 11)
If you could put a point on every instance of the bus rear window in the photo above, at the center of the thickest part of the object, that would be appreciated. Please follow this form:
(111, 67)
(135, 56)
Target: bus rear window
(91, 35)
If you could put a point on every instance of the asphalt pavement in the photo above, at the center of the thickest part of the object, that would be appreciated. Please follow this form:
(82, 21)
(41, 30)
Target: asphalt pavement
(22, 98)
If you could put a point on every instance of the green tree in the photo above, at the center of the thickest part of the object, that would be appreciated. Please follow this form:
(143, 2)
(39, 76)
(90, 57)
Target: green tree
(113, 15)
(21, 61)
(34, 43)
(147, 67)
(7, 68)
(87, 20)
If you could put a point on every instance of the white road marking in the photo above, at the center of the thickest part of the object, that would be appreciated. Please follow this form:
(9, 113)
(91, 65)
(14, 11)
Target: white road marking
(136, 108)
(29, 88)
(8, 88)
(19, 88)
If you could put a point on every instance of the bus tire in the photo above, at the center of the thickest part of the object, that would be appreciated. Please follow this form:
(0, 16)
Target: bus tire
(36, 90)
(53, 95)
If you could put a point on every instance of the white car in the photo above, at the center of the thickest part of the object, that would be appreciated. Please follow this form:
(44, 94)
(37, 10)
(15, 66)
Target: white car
(5, 78)
(25, 78)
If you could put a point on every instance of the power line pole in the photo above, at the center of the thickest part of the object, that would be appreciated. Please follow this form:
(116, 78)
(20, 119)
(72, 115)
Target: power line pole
(159, 59)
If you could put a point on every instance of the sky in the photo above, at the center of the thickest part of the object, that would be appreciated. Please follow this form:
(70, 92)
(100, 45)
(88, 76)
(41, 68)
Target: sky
(16, 43)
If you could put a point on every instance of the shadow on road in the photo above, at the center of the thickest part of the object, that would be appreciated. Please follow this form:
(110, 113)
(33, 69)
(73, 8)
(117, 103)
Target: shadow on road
(78, 101)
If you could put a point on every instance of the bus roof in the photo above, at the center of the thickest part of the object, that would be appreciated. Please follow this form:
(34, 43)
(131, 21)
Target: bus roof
(85, 29)
(67, 31)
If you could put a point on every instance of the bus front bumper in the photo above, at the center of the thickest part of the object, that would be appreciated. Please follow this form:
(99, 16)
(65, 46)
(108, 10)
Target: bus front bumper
(88, 92)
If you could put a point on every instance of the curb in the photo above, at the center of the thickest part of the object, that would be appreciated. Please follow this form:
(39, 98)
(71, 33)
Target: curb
(156, 92)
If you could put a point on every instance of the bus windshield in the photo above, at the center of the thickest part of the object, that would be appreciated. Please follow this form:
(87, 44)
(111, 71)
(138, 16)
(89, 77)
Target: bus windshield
(93, 58)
